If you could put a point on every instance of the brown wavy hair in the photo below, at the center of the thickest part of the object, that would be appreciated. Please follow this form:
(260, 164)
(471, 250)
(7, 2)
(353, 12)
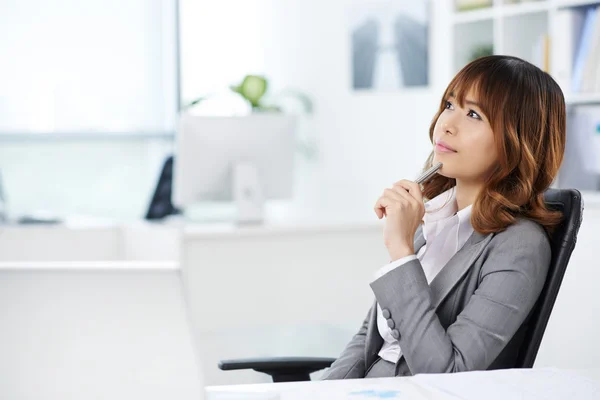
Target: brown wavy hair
(526, 110)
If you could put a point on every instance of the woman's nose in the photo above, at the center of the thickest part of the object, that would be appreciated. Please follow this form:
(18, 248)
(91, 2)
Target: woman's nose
(450, 125)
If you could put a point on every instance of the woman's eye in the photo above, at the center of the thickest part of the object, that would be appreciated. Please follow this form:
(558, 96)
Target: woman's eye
(448, 105)
(473, 114)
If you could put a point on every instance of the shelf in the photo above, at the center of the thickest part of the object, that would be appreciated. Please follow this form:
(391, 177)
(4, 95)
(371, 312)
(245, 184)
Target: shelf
(483, 14)
(582, 98)
(510, 10)
(576, 3)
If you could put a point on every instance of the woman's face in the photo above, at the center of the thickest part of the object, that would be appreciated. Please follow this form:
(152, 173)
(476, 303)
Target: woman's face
(464, 141)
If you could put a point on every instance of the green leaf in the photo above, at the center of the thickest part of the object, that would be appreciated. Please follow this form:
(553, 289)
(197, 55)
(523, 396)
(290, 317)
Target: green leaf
(253, 87)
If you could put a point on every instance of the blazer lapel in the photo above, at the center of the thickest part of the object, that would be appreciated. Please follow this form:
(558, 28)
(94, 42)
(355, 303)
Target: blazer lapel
(458, 265)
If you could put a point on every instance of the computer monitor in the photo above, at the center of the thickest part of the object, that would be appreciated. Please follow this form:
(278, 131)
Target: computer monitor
(246, 159)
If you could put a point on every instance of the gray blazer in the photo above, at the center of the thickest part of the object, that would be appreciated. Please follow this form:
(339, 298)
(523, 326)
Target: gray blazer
(471, 317)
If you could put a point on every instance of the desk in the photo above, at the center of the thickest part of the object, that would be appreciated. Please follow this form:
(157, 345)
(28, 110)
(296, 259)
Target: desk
(100, 330)
(528, 384)
(89, 240)
(277, 291)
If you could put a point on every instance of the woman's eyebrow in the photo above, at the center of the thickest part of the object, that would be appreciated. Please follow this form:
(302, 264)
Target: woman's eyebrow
(467, 102)
(472, 103)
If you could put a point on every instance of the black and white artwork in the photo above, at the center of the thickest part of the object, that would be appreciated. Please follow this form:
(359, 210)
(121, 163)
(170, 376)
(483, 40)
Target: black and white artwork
(390, 45)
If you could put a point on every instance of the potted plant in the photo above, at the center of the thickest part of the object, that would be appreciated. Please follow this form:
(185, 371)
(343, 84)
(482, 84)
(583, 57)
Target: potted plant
(253, 89)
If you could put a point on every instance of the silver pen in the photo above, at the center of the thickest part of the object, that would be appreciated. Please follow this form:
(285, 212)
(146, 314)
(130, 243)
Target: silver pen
(429, 173)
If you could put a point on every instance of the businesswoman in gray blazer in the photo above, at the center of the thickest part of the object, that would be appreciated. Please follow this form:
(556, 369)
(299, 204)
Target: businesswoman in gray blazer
(469, 250)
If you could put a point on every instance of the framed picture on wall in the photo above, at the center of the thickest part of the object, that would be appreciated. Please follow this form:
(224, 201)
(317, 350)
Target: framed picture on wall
(389, 45)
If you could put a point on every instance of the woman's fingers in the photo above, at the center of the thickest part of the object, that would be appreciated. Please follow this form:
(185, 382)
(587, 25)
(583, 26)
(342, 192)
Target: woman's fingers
(411, 191)
(412, 188)
(388, 197)
(402, 194)
(391, 199)
(382, 203)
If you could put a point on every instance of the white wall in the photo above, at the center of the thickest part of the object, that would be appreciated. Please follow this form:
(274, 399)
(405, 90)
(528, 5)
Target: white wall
(571, 338)
(367, 140)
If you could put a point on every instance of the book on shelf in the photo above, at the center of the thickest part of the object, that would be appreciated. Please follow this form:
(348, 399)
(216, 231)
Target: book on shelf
(587, 53)
(541, 53)
(575, 56)
(467, 5)
(590, 69)
(522, 1)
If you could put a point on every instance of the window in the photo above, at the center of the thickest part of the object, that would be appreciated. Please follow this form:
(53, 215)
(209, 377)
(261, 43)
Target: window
(221, 42)
(88, 66)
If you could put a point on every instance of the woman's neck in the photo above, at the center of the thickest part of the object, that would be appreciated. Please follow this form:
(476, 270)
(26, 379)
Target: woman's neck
(466, 193)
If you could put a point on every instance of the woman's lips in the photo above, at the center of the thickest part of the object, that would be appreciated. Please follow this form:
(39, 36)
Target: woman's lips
(440, 148)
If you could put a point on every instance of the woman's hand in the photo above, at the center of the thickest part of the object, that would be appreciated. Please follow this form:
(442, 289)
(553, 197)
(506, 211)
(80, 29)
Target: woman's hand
(402, 205)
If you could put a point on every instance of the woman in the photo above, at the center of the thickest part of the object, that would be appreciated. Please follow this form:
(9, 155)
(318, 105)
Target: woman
(469, 264)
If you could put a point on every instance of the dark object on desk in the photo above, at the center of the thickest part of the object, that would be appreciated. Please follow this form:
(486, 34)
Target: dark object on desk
(161, 205)
(563, 240)
(38, 220)
(282, 369)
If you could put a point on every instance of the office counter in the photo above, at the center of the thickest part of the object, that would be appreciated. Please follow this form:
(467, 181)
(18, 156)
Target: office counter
(89, 240)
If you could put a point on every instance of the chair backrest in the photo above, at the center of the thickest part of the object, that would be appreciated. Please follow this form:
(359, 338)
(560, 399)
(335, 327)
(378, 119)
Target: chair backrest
(563, 240)
(161, 205)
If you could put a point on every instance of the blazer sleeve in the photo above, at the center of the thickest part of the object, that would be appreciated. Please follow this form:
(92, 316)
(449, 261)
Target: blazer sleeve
(351, 363)
(511, 279)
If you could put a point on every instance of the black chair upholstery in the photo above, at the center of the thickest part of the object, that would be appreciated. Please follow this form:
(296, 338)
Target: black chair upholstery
(563, 240)
(161, 205)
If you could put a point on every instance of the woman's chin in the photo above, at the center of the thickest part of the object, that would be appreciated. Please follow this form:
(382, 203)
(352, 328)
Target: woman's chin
(445, 171)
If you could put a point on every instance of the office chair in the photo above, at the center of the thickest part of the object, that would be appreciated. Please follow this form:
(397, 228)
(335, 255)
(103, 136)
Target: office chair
(563, 240)
(161, 205)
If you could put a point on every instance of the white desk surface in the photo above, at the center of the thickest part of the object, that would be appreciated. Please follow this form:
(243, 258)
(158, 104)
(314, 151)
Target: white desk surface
(546, 383)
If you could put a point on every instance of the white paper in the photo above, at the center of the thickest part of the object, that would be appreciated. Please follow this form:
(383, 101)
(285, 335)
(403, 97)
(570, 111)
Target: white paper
(531, 384)
(371, 389)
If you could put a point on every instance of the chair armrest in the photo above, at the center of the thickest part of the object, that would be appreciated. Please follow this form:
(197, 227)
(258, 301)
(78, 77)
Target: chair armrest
(281, 369)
